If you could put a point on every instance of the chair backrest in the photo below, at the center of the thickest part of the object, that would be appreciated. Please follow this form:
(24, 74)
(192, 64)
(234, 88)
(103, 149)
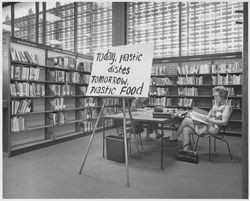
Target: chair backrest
(223, 128)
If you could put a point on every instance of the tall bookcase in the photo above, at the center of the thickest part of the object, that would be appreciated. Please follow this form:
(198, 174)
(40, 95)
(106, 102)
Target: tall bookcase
(186, 82)
(44, 96)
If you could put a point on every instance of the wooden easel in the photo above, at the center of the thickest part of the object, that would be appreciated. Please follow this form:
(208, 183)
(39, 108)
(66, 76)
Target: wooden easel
(125, 137)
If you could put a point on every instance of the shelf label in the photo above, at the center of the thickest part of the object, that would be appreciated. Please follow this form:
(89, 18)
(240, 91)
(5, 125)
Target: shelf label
(122, 71)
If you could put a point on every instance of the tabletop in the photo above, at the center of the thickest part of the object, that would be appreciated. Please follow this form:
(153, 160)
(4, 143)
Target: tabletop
(138, 115)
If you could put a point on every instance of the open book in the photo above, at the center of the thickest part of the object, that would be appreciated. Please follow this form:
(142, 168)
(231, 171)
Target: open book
(198, 117)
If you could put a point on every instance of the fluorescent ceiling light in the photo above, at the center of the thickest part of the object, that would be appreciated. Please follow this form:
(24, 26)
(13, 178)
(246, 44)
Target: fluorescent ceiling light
(55, 42)
(142, 27)
(7, 27)
(50, 17)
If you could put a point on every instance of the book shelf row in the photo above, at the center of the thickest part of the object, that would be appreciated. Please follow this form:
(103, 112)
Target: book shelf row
(233, 67)
(46, 89)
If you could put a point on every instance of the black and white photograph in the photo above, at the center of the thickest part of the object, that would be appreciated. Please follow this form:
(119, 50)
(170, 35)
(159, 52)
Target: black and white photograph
(125, 100)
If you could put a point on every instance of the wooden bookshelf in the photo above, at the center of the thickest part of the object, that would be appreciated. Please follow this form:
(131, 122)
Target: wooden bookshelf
(221, 66)
(29, 126)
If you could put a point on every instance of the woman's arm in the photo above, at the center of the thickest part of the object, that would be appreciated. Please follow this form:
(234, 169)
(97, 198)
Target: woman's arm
(225, 117)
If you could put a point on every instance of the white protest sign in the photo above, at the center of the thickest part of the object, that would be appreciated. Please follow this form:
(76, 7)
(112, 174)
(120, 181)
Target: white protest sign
(121, 71)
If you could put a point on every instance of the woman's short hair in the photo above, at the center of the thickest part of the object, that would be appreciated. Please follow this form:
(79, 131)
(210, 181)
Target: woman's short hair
(222, 91)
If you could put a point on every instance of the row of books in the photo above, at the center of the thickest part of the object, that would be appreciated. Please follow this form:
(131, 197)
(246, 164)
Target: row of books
(187, 91)
(20, 106)
(60, 90)
(17, 124)
(88, 126)
(108, 123)
(226, 80)
(62, 62)
(185, 102)
(190, 80)
(194, 69)
(153, 101)
(161, 81)
(88, 114)
(234, 67)
(163, 70)
(231, 91)
(23, 56)
(57, 118)
(159, 91)
(88, 102)
(57, 104)
(112, 101)
(235, 103)
(69, 63)
(27, 89)
(24, 73)
(70, 77)
(110, 110)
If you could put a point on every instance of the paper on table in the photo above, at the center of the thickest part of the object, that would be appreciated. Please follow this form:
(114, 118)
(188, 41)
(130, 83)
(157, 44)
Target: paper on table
(198, 117)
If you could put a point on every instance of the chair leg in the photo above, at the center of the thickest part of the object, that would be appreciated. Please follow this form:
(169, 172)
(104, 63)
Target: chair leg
(230, 154)
(195, 147)
(139, 135)
(214, 144)
(130, 144)
(136, 139)
(209, 138)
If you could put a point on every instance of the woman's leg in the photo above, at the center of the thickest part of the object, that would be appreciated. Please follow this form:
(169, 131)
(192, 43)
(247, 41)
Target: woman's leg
(187, 132)
(187, 122)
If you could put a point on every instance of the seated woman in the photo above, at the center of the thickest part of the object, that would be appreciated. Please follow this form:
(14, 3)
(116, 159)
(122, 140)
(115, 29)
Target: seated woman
(140, 103)
(218, 116)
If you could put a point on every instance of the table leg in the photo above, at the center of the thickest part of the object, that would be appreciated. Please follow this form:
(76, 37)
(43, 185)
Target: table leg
(162, 146)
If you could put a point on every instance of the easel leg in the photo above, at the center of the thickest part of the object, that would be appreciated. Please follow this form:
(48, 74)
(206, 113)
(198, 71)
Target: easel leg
(125, 141)
(162, 146)
(92, 136)
(103, 138)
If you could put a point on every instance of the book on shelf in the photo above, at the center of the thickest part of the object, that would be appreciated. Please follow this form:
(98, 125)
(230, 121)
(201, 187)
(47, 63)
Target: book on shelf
(185, 102)
(26, 89)
(60, 90)
(194, 69)
(187, 91)
(24, 73)
(111, 101)
(84, 66)
(233, 67)
(88, 102)
(57, 118)
(57, 104)
(88, 126)
(20, 107)
(82, 90)
(23, 56)
(190, 80)
(161, 81)
(164, 70)
(17, 124)
(226, 80)
(61, 62)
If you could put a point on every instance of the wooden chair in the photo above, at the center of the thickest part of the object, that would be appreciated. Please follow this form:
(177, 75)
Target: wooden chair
(130, 130)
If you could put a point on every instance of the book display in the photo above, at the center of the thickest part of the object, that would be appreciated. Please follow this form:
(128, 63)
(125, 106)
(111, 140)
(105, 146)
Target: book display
(186, 82)
(46, 90)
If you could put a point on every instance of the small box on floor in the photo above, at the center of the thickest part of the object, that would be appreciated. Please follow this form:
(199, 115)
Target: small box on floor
(115, 148)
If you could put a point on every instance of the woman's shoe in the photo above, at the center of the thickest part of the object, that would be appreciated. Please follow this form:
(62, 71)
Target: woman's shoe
(169, 140)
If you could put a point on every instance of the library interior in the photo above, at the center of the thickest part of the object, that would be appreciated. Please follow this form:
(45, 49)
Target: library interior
(125, 100)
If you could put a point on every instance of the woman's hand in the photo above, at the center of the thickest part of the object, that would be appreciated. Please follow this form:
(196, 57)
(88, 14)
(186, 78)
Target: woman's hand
(206, 119)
